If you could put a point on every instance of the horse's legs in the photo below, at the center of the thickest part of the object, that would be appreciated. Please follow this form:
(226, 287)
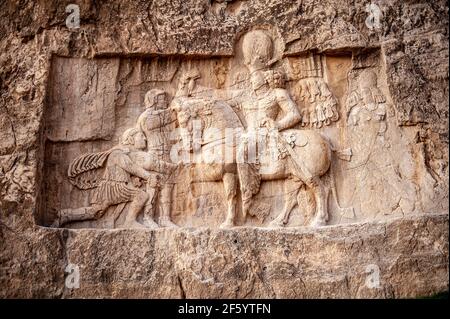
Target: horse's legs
(230, 185)
(321, 193)
(291, 189)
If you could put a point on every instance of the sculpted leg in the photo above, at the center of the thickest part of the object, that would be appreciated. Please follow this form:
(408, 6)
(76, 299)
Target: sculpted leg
(288, 209)
(149, 209)
(136, 207)
(291, 189)
(283, 218)
(250, 181)
(230, 185)
(321, 197)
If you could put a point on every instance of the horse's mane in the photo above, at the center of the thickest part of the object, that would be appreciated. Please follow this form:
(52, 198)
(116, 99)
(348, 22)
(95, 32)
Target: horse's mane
(220, 115)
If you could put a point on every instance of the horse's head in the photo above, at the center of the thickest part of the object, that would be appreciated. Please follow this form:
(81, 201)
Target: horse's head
(203, 120)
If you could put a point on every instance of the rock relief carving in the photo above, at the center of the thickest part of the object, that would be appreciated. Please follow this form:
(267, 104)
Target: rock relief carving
(126, 170)
(275, 123)
(300, 155)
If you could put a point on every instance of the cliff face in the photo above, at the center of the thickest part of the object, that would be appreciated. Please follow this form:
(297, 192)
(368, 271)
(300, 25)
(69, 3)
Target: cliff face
(371, 78)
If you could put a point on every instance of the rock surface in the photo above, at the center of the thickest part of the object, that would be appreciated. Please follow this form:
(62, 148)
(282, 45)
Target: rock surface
(408, 255)
(70, 91)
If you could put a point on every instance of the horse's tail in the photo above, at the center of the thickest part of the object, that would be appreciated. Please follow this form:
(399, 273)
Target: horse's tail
(345, 155)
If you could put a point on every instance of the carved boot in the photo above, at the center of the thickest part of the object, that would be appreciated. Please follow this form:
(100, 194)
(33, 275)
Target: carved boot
(164, 219)
(277, 222)
(149, 222)
(318, 222)
(227, 224)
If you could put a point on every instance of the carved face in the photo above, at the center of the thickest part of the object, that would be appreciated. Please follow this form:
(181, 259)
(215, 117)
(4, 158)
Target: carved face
(191, 86)
(160, 101)
(187, 83)
(140, 142)
(367, 80)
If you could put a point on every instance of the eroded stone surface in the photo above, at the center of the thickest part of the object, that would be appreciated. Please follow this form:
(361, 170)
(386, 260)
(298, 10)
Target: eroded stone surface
(376, 98)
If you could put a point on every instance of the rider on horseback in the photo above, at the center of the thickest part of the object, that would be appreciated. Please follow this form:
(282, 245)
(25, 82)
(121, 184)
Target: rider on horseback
(261, 111)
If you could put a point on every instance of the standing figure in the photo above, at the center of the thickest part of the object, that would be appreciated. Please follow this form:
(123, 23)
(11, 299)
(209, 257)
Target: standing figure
(157, 122)
(203, 123)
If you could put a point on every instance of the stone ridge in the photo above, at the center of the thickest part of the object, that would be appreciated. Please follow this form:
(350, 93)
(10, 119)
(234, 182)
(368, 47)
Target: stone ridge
(410, 253)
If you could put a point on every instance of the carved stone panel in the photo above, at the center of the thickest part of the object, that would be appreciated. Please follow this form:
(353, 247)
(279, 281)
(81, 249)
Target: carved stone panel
(312, 139)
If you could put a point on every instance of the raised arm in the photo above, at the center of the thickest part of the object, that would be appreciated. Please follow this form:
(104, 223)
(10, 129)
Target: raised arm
(233, 97)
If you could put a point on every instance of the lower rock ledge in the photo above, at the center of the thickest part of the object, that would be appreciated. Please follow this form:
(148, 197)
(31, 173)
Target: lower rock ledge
(405, 257)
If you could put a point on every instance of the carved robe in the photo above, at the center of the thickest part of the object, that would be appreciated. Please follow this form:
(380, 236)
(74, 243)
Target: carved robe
(115, 184)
